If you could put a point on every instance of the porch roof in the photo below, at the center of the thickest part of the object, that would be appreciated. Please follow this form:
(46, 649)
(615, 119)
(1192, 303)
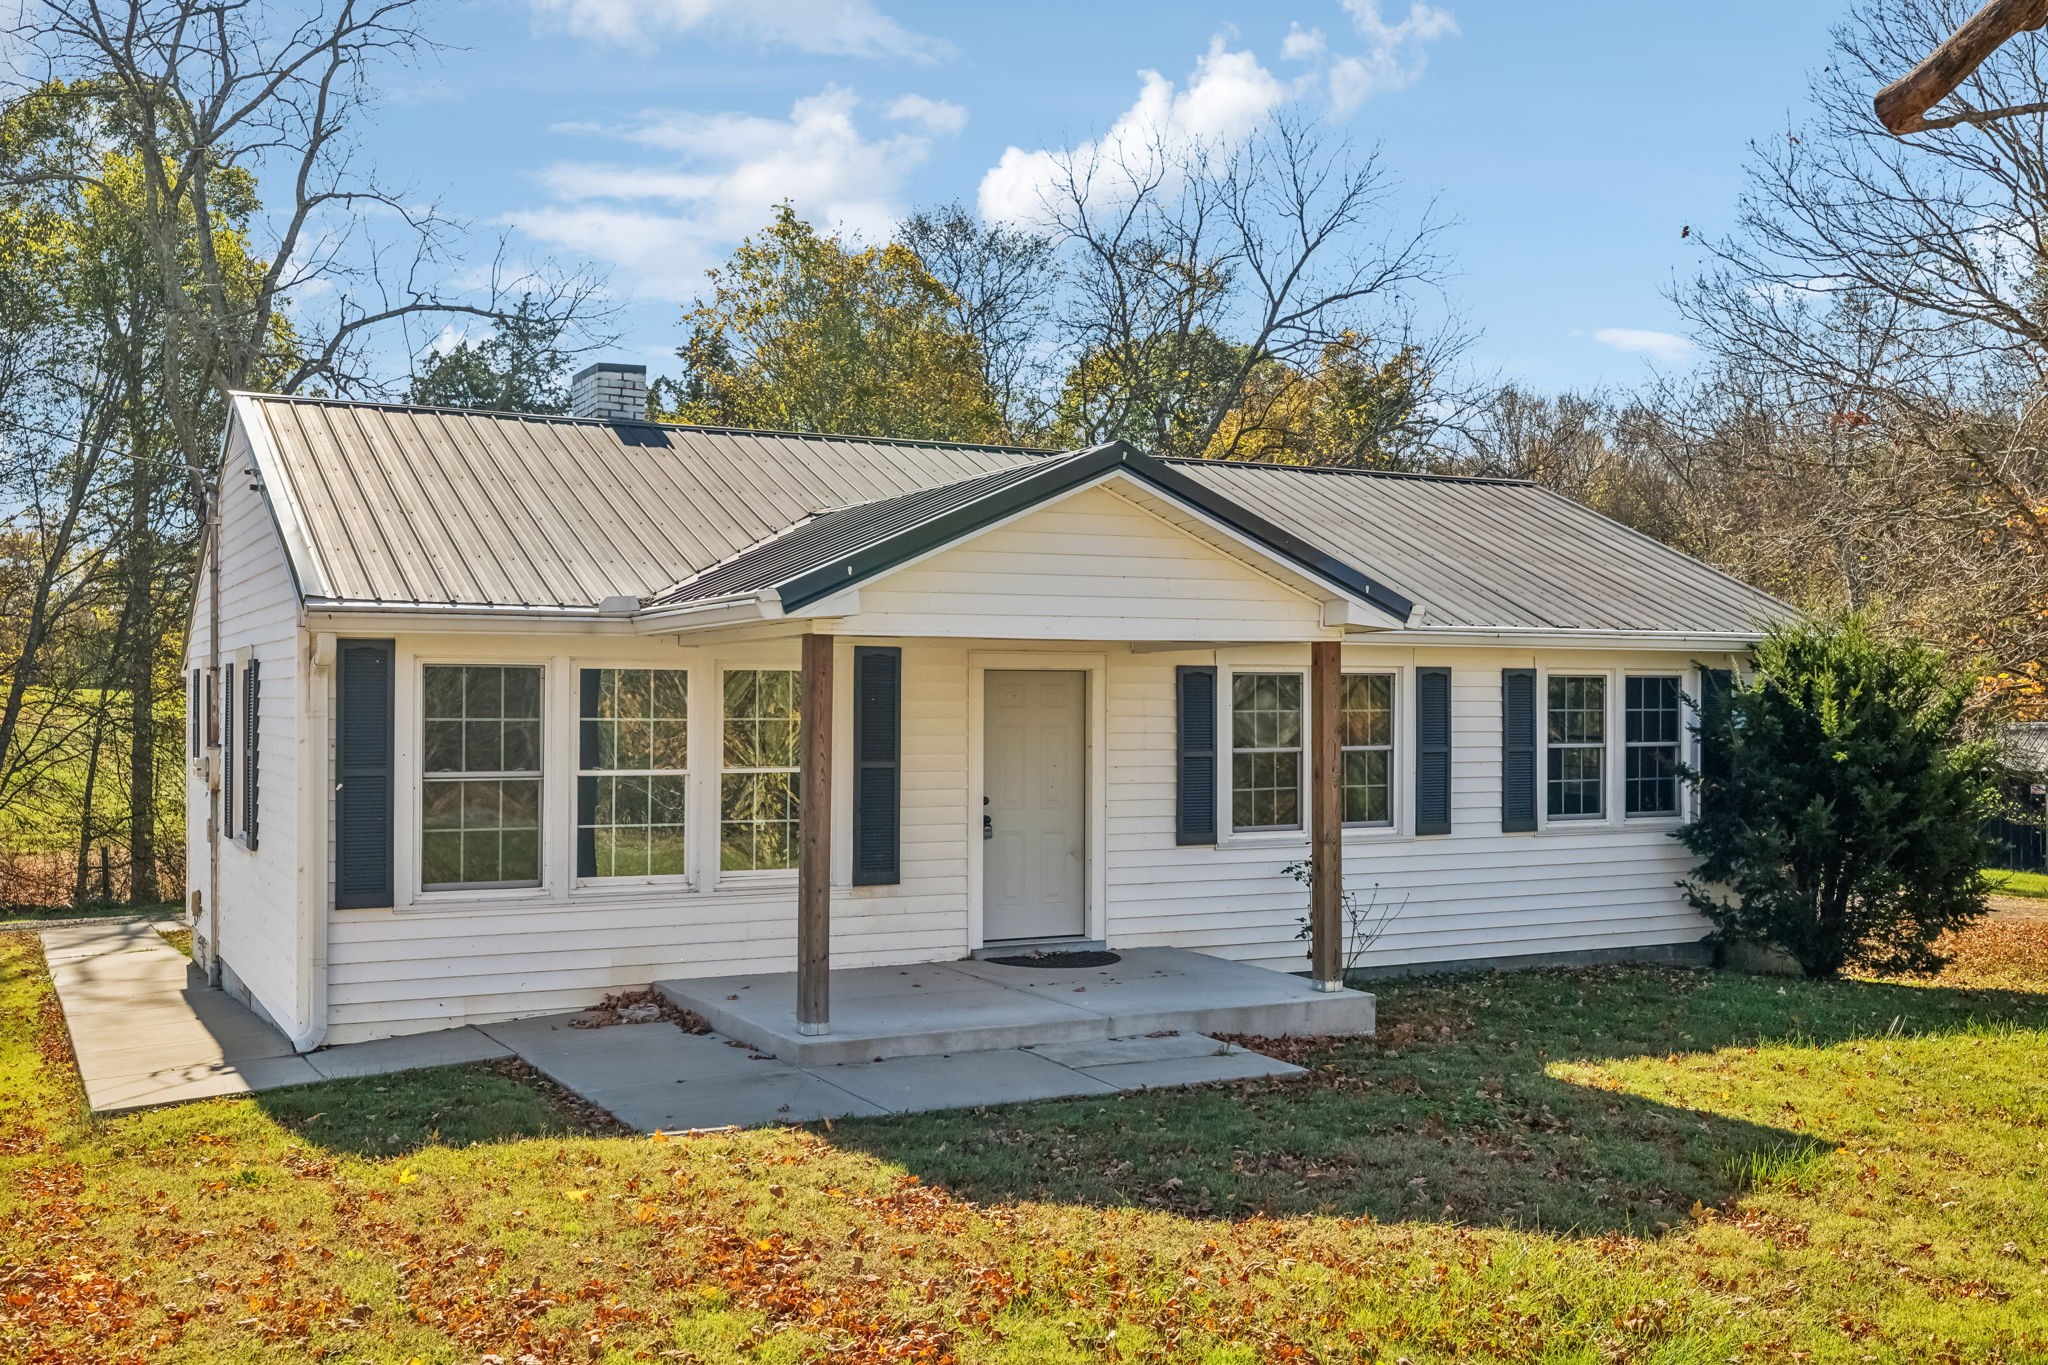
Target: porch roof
(842, 547)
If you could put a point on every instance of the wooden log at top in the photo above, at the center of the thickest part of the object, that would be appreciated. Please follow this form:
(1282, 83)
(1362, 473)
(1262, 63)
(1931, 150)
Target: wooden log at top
(1901, 104)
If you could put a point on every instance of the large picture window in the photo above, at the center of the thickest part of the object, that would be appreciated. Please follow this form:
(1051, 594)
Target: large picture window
(1577, 747)
(1265, 750)
(1654, 725)
(758, 791)
(632, 775)
(1366, 734)
(480, 794)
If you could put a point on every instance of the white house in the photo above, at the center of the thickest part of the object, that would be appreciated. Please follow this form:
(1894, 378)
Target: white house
(495, 714)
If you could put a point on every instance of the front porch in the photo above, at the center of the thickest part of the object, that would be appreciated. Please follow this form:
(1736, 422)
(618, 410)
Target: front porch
(980, 1006)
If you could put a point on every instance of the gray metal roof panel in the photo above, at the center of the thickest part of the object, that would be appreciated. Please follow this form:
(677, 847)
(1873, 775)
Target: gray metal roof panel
(420, 506)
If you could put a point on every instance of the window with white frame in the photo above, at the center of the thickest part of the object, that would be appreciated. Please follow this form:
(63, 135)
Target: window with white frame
(632, 772)
(1653, 725)
(480, 784)
(1577, 733)
(758, 782)
(1365, 731)
(1265, 750)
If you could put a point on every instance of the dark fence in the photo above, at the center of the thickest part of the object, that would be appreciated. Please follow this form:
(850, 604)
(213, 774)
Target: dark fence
(2019, 834)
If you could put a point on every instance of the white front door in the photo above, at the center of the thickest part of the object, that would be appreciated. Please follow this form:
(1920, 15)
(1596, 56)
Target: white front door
(1034, 817)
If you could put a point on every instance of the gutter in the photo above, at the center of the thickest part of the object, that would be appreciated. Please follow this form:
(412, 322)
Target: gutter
(1709, 641)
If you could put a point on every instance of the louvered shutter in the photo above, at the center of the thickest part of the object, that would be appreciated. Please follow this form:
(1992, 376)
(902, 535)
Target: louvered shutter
(1715, 685)
(227, 752)
(1517, 750)
(363, 763)
(1432, 751)
(877, 765)
(1195, 782)
(252, 701)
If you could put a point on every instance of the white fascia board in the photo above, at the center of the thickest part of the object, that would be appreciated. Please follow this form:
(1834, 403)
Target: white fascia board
(278, 495)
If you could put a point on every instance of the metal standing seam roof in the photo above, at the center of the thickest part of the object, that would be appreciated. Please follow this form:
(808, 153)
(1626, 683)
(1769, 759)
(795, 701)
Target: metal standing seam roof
(422, 507)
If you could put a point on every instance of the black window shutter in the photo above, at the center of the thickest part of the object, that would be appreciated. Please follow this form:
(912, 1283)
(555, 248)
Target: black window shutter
(363, 763)
(227, 752)
(1195, 779)
(1715, 685)
(1517, 750)
(1432, 751)
(198, 705)
(877, 765)
(252, 700)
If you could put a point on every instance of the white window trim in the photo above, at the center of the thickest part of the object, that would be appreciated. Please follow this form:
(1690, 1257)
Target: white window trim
(1688, 746)
(1226, 775)
(1402, 671)
(1397, 696)
(749, 876)
(1614, 768)
(665, 881)
(417, 766)
(1544, 746)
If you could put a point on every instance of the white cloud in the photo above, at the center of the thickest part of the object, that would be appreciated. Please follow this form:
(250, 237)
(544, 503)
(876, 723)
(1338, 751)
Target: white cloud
(936, 116)
(1393, 56)
(1665, 346)
(850, 28)
(660, 226)
(1303, 44)
(1227, 98)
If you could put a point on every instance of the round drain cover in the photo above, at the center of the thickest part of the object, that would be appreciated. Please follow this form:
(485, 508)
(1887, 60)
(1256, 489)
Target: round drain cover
(1061, 960)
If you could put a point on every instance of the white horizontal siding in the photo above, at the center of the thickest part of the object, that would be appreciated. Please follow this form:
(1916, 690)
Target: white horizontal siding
(259, 889)
(1089, 567)
(1475, 893)
(428, 967)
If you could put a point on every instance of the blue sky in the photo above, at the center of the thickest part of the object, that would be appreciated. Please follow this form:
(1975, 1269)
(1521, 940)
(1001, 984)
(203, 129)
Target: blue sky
(1571, 142)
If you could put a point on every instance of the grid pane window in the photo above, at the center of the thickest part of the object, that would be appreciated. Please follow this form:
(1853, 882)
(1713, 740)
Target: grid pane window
(1577, 747)
(1654, 727)
(1365, 730)
(480, 794)
(1265, 743)
(633, 772)
(759, 794)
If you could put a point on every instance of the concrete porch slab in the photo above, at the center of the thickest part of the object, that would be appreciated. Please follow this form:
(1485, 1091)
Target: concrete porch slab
(885, 1012)
(775, 1095)
(874, 1019)
(1157, 989)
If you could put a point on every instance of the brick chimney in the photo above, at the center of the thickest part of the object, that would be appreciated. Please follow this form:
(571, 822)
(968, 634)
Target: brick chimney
(611, 392)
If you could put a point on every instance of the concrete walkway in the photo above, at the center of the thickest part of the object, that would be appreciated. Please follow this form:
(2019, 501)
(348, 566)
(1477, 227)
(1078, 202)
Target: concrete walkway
(655, 1077)
(148, 1031)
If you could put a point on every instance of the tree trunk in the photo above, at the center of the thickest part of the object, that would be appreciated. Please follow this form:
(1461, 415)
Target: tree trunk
(141, 660)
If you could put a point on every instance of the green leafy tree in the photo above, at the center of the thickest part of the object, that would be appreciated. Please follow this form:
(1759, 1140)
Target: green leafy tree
(519, 367)
(1158, 390)
(803, 333)
(1841, 817)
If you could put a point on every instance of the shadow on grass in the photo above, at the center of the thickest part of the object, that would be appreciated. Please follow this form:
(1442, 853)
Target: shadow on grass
(1452, 1113)
(445, 1106)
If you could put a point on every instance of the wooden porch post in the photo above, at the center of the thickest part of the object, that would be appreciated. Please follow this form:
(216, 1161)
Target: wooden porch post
(814, 843)
(1326, 813)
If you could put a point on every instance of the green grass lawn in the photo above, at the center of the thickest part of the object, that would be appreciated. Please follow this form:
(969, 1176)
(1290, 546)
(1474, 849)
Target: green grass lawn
(2030, 884)
(1622, 1165)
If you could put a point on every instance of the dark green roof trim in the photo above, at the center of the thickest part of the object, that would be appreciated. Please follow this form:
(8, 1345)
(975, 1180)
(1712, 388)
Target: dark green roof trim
(1063, 475)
